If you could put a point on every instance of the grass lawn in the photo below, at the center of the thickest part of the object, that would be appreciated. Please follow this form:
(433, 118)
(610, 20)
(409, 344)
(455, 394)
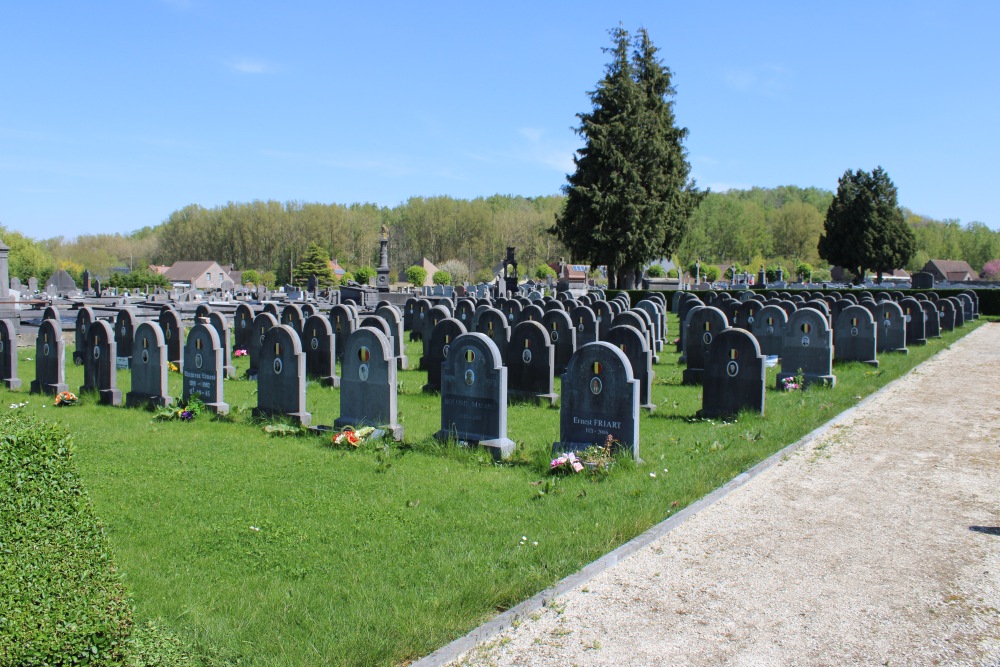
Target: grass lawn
(288, 551)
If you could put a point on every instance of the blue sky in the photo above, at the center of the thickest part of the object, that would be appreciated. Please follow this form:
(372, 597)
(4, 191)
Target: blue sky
(115, 114)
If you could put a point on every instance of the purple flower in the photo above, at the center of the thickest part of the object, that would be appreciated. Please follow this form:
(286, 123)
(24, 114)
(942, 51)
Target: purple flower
(187, 415)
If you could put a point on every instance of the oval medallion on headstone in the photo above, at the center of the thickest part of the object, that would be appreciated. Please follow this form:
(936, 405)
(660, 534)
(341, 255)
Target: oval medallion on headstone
(750, 320)
(854, 331)
(97, 352)
(555, 335)
(580, 327)
(732, 369)
(470, 377)
(444, 350)
(885, 323)
(1, 346)
(363, 372)
(907, 318)
(198, 361)
(770, 331)
(526, 356)
(805, 341)
(243, 324)
(45, 349)
(707, 338)
(510, 317)
(462, 316)
(262, 339)
(277, 366)
(124, 330)
(145, 356)
(596, 386)
(166, 333)
(314, 343)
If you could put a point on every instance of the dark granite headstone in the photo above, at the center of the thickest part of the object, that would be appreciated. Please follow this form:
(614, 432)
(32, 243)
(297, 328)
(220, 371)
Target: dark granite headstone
(530, 313)
(922, 280)
(368, 383)
(600, 398)
(221, 325)
(271, 307)
(464, 311)
(125, 324)
(173, 335)
(634, 345)
(8, 355)
(439, 349)
(959, 311)
(394, 319)
(423, 306)
(915, 324)
(968, 307)
(83, 319)
(343, 321)
(511, 308)
(474, 395)
(149, 368)
(854, 337)
(530, 364)
(281, 377)
(658, 317)
(52, 313)
(605, 318)
(493, 324)
(100, 365)
(434, 316)
(807, 347)
(769, 329)
(734, 376)
(688, 301)
(946, 312)
(242, 324)
(50, 367)
(318, 345)
(203, 368)
(562, 335)
(747, 314)
(702, 326)
(202, 310)
(585, 322)
(971, 293)
(409, 309)
(932, 319)
(258, 330)
(890, 327)
(292, 316)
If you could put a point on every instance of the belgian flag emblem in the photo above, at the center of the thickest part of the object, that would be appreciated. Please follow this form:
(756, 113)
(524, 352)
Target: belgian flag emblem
(806, 328)
(364, 354)
(854, 321)
(734, 354)
(470, 355)
(597, 368)
(708, 326)
(527, 343)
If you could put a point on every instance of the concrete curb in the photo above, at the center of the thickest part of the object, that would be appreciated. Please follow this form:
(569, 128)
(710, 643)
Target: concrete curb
(514, 615)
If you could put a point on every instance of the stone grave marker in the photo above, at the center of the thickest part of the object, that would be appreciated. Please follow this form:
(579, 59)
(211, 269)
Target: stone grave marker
(703, 325)
(409, 310)
(650, 330)
(464, 312)
(734, 376)
(854, 337)
(959, 311)
(149, 368)
(8, 355)
(971, 293)
(203, 367)
(221, 325)
(83, 319)
(562, 335)
(532, 313)
(932, 319)
(125, 324)
(915, 324)
(203, 310)
(686, 305)
(658, 317)
(634, 346)
(639, 321)
(438, 350)
(368, 383)
(531, 364)
(600, 399)
(308, 310)
(435, 315)
(605, 315)
(512, 308)
(584, 320)
(343, 321)
(617, 307)
(100, 364)
(807, 347)
(320, 353)
(968, 307)
(173, 335)
(946, 314)
(281, 377)
(554, 305)
(52, 313)
(891, 327)
(394, 319)
(769, 329)
(242, 324)
(261, 324)
(493, 324)
(731, 308)
(747, 314)
(292, 316)
(474, 395)
(50, 367)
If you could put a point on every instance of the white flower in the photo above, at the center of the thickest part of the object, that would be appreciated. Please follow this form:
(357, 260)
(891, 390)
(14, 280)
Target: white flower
(255, 528)
(535, 544)
(652, 474)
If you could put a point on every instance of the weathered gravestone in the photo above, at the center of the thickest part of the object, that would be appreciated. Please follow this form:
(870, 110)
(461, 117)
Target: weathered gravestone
(50, 367)
(203, 310)
(585, 323)
(474, 395)
(702, 326)
(281, 377)
(600, 399)
(807, 348)
(531, 364)
(959, 311)
(318, 345)
(854, 337)
(221, 326)
(83, 319)
(734, 376)
(932, 319)
(242, 323)
(890, 327)
(562, 334)
(439, 348)
(946, 312)
(149, 368)
(394, 320)
(915, 324)
(100, 365)
(125, 324)
(493, 324)
(769, 329)
(368, 383)
(605, 318)
(292, 316)
(258, 330)
(173, 335)
(435, 315)
(634, 345)
(343, 320)
(8, 355)
(203, 370)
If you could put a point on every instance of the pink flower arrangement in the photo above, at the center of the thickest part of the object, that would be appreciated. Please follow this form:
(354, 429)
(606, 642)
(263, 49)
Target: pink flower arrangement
(567, 461)
(240, 353)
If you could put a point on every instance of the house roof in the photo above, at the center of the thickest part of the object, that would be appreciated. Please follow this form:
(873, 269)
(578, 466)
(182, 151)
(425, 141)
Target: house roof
(954, 270)
(188, 271)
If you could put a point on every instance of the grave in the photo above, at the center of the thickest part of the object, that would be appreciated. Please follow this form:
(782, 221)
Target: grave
(281, 376)
(891, 327)
(173, 335)
(474, 395)
(959, 311)
(100, 364)
(394, 320)
(258, 330)
(318, 345)
(50, 368)
(464, 312)
(493, 324)
(932, 319)
(8, 355)
(605, 316)
(292, 316)
(807, 347)
(562, 335)
(435, 315)
(703, 325)
(854, 337)
(600, 399)
(634, 346)
(368, 383)
(343, 321)
(734, 376)
(438, 350)
(203, 367)
(530, 364)
(585, 323)
(149, 368)
(915, 324)
(125, 324)
(946, 314)
(221, 326)
(203, 310)
(83, 319)
(531, 313)
(769, 329)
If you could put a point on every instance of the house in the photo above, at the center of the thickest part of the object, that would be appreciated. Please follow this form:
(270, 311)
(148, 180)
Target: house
(430, 269)
(337, 270)
(205, 275)
(950, 270)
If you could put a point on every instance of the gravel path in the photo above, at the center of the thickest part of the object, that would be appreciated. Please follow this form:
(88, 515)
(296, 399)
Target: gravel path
(877, 544)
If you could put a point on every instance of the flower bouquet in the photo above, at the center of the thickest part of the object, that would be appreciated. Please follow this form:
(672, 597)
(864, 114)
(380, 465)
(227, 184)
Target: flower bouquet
(240, 353)
(791, 384)
(352, 437)
(66, 398)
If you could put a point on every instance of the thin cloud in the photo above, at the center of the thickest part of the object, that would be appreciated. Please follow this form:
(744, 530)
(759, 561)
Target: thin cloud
(547, 153)
(252, 66)
(767, 80)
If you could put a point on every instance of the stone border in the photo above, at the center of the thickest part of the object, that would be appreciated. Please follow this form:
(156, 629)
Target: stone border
(512, 616)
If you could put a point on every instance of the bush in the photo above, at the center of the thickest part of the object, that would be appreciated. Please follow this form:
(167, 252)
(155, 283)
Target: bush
(416, 275)
(655, 271)
(348, 277)
(672, 273)
(711, 272)
(544, 272)
(485, 276)
(364, 274)
(458, 270)
(441, 278)
(804, 269)
(251, 277)
(991, 270)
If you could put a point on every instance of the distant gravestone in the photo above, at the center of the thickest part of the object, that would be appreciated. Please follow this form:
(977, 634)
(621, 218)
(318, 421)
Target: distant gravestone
(149, 368)
(423, 306)
(932, 319)
(687, 303)
(434, 316)
(531, 364)
(221, 326)
(83, 319)
(968, 307)
(281, 376)
(530, 313)
(8, 355)
(562, 335)
(464, 312)
(125, 324)
(100, 365)
(746, 315)
(769, 329)
(409, 308)
(854, 337)
(946, 313)
(270, 307)
(292, 316)
(635, 348)
(203, 310)
(734, 376)
(50, 367)
(343, 321)
(703, 325)
(915, 324)
(203, 368)
(318, 345)
(258, 330)
(657, 317)
(807, 348)
(605, 315)
(600, 399)
(959, 311)
(493, 324)
(52, 313)
(173, 335)
(922, 280)
(890, 327)
(439, 349)
(584, 321)
(368, 383)
(474, 395)
(394, 319)
(512, 310)
(975, 302)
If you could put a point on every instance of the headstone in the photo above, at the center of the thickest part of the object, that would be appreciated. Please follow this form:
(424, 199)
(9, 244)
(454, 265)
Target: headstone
(640, 321)
(605, 315)
(968, 307)
(261, 324)
(932, 319)
(891, 327)
(33, 286)
(769, 329)
(203, 368)
(657, 316)
(409, 309)
(464, 312)
(368, 383)
(292, 316)
(959, 311)
(747, 314)
(922, 280)
(512, 310)
(173, 335)
(221, 325)
(493, 324)
(634, 346)
(702, 326)
(318, 343)
(807, 348)
(854, 337)
(343, 321)
(439, 349)
(687, 303)
(125, 324)
(600, 399)
(50, 368)
(532, 313)
(149, 368)
(734, 376)
(435, 315)
(531, 364)
(271, 307)
(474, 395)
(423, 306)
(202, 310)
(281, 376)
(100, 365)
(562, 334)
(8, 355)
(83, 319)
(915, 324)
(946, 313)
(971, 293)
(585, 323)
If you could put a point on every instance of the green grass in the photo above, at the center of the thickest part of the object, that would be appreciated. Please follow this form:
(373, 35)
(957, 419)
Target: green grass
(381, 555)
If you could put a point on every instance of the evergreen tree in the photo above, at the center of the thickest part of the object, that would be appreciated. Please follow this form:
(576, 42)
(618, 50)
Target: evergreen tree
(864, 228)
(314, 261)
(630, 197)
